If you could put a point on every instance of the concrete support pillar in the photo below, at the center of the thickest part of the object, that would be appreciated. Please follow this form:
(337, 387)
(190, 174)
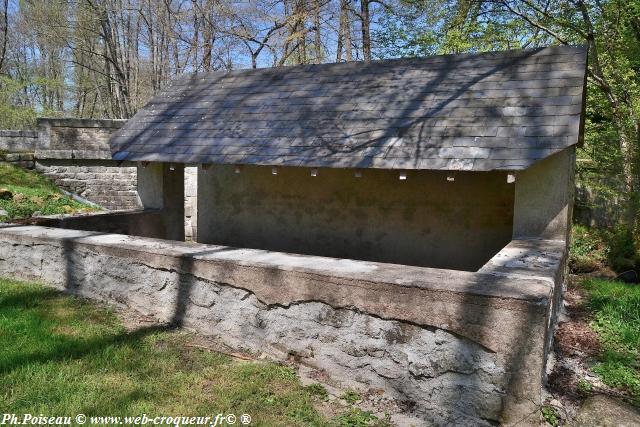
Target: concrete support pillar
(543, 202)
(161, 188)
(206, 186)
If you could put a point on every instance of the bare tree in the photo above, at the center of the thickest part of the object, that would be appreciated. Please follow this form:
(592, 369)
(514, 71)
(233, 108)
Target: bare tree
(344, 32)
(4, 30)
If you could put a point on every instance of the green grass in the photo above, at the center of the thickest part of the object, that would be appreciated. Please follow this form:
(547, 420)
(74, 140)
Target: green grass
(351, 396)
(32, 192)
(616, 319)
(63, 355)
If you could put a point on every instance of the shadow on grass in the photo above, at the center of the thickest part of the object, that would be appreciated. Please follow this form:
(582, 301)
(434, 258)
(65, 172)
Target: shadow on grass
(29, 301)
(71, 349)
(28, 298)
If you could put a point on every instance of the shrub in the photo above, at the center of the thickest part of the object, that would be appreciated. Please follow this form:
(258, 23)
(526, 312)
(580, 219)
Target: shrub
(551, 415)
(593, 248)
(622, 253)
(587, 251)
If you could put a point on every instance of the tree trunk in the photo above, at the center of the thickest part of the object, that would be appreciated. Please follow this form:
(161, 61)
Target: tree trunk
(366, 32)
(5, 32)
(345, 29)
(318, 37)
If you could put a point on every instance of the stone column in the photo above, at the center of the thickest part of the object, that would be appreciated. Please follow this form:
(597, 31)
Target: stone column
(190, 202)
(204, 206)
(162, 189)
(544, 198)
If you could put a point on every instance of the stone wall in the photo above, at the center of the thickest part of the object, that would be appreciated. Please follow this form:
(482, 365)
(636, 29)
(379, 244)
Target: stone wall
(104, 182)
(17, 147)
(457, 348)
(74, 153)
(599, 195)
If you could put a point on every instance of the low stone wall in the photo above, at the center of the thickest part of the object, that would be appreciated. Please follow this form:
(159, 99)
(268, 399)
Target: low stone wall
(104, 182)
(75, 155)
(458, 348)
(17, 147)
(142, 223)
(18, 141)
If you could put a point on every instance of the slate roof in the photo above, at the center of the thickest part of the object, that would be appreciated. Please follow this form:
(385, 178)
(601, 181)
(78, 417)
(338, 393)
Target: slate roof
(499, 110)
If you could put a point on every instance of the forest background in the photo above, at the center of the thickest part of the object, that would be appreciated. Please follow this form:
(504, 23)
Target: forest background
(106, 58)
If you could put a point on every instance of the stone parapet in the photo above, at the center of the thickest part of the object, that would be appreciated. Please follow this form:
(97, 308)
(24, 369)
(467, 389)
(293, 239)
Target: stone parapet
(460, 347)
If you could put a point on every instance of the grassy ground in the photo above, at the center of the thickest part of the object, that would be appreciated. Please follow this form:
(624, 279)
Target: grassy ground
(63, 355)
(615, 311)
(612, 307)
(31, 192)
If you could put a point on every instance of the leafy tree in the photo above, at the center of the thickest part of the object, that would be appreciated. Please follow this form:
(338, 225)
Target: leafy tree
(611, 30)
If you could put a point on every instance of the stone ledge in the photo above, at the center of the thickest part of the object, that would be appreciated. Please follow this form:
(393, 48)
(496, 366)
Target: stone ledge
(10, 133)
(81, 123)
(73, 154)
(528, 259)
(386, 290)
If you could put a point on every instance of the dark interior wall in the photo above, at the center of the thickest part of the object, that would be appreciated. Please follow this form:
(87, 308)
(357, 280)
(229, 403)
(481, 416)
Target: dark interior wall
(424, 220)
(141, 223)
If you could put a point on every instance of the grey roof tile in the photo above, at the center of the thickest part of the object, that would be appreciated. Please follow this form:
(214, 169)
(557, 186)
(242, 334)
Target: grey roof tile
(496, 110)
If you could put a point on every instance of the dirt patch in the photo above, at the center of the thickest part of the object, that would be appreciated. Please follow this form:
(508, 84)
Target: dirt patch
(573, 336)
(571, 385)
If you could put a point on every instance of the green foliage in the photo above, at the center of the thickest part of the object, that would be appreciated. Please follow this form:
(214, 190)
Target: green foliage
(13, 113)
(594, 248)
(351, 396)
(622, 252)
(34, 193)
(550, 415)
(427, 27)
(63, 355)
(615, 307)
(584, 386)
(13, 175)
(587, 251)
(318, 390)
(357, 418)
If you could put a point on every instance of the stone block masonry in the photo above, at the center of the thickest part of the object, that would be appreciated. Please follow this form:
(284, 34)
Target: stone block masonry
(17, 147)
(75, 155)
(104, 182)
(458, 348)
(190, 202)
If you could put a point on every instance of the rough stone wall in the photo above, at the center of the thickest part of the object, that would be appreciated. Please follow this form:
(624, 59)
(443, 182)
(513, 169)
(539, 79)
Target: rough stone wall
(101, 181)
(599, 195)
(75, 138)
(443, 378)
(458, 348)
(17, 147)
(75, 154)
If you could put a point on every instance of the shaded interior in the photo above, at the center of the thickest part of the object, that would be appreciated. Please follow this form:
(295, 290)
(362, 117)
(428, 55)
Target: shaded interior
(424, 221)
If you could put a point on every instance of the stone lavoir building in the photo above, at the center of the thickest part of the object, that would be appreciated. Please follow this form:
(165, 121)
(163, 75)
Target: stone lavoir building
(401, 225)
